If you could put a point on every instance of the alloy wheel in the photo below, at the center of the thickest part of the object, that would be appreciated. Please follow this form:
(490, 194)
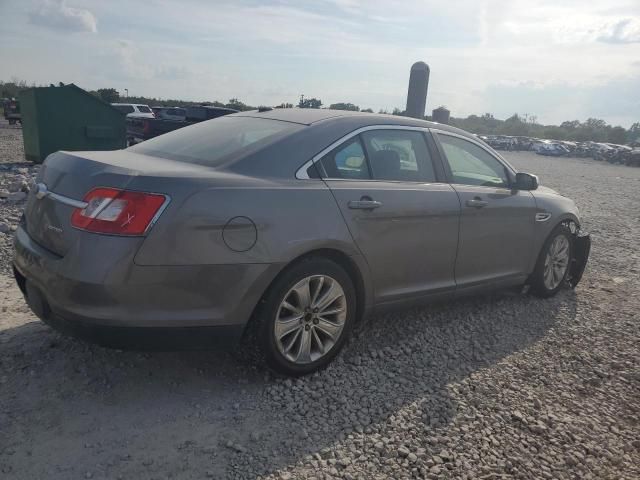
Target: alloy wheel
(556, 262)
(310, 319)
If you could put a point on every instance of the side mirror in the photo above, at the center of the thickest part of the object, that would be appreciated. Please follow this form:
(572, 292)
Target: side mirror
(525, 181)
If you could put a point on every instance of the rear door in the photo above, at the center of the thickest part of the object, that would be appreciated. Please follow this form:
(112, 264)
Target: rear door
(401, 214)
(497, 222)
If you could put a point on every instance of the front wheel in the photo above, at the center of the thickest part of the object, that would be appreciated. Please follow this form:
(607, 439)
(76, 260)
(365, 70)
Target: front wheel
(306, 317)
(552, 268)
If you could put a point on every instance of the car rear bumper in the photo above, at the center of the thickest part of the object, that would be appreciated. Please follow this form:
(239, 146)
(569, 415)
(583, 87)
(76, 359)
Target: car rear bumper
(129, 337)
(100, 300)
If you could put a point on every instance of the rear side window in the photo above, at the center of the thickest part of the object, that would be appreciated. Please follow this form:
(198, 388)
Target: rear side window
(214, 142)
(197, 113)
(347, 161)
(399, 155)
(124, 108)
(391, 155)
(144, 109)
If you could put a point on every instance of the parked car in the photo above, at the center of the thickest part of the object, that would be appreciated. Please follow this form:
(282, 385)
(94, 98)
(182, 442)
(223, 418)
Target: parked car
(602, 151)
(11, 109)
(618, 154)
(522, 143)
(632, 157)
(537, 144)
(501, 142)
(141, 129)
(134, 110)
(170, 113)
(583, 149)
(288, 226)
(552, 149)
(570, 147)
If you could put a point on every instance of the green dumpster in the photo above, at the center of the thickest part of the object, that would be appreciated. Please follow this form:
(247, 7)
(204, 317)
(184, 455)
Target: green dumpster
(68, 118)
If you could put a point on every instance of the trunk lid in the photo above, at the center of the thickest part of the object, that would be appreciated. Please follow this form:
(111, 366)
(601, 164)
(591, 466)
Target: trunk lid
(73, 174)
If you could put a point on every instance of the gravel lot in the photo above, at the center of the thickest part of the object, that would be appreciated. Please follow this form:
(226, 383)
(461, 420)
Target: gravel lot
(501, 386)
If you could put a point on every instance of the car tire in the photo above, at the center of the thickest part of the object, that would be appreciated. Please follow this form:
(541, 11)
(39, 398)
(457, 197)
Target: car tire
(545, 283)
(271, 318)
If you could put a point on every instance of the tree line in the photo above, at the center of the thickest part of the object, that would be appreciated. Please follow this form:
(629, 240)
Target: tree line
(593, 129)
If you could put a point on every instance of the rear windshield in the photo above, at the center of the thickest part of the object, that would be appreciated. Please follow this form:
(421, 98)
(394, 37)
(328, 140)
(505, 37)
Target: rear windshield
(144, 109)
(216, 141)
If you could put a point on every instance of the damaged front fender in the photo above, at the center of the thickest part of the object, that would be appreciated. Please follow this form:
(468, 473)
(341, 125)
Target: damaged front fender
(581, 249)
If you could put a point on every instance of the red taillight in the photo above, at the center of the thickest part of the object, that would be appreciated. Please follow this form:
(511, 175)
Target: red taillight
(146, 127)
(117, 212)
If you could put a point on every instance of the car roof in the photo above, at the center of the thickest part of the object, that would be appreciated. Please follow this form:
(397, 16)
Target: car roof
(315, 129)
(213, 107)
(131, 104)
(313, 116)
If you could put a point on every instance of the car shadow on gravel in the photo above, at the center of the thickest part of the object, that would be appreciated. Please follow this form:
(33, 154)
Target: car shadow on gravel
(81, 408)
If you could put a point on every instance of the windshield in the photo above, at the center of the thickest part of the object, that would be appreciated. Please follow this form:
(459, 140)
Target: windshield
(213, 142)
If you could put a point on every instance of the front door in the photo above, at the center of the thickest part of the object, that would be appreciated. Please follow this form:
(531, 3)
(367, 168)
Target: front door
(403, 219)
(497, 222)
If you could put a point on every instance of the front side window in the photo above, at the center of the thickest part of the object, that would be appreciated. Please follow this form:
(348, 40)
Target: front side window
(144, 109)
(471, 164)
(398, 155)
(347, 161)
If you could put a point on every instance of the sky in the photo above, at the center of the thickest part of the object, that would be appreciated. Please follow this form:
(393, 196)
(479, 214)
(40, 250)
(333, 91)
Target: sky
(555, 59)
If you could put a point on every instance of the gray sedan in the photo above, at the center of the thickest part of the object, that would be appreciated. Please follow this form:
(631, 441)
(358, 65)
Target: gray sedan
(285, 227)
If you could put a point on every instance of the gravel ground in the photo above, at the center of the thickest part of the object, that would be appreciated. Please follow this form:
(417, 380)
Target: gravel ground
(500, 386)
(15, 177)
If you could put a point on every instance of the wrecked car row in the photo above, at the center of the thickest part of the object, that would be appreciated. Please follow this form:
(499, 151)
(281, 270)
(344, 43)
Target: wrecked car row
(609, 152)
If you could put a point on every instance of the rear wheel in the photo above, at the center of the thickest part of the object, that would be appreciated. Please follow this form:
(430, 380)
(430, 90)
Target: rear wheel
(306, 317)
(553, 263)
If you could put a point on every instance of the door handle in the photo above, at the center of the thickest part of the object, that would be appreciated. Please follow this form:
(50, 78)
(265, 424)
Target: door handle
(477, 203)
(364, 204)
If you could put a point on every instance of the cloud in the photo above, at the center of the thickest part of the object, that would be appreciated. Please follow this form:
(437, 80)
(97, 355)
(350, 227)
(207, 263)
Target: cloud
(172, 72)
(623, 31)
(56, 15)
(549, 57)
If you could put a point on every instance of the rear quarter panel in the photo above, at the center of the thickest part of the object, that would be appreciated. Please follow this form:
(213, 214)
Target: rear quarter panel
(288, 218)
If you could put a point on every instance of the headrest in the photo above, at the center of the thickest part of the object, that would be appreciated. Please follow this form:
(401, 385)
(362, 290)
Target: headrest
(386, 164)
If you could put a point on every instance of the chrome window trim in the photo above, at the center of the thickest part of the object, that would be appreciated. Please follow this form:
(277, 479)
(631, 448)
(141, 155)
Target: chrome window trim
(487, 149)
(414, 182)
(301, 173)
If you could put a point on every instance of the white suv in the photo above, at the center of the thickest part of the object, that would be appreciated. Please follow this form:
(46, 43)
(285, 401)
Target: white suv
(134, 110)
